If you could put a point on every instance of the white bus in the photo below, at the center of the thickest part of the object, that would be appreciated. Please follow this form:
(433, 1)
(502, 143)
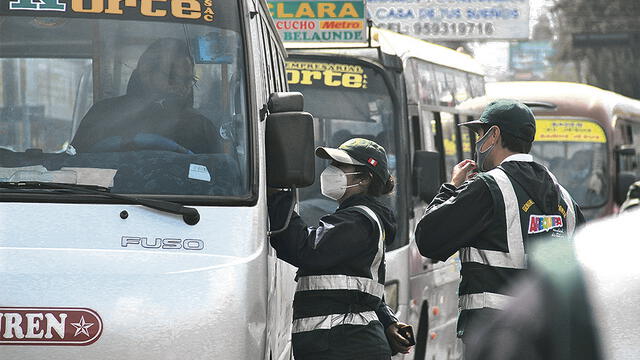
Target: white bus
(402, 93)
(133, 150)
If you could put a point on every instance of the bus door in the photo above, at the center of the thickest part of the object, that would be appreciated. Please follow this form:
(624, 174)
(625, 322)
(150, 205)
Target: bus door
(433, 285)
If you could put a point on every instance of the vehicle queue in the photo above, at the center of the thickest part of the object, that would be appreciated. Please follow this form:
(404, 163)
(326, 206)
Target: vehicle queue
(411, 96)
(142, 245)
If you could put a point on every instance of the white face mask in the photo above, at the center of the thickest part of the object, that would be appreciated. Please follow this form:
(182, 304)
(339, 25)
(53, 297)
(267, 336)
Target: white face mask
(333, 182)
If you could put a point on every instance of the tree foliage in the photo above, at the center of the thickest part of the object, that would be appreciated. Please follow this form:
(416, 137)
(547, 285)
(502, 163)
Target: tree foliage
(612, 67)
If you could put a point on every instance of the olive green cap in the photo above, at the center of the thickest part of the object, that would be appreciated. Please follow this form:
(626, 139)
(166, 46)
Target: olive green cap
(358, 151)
(511, 116)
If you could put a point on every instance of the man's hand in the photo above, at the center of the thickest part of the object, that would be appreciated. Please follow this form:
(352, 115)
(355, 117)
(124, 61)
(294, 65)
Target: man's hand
(397, 342)
(465, 170)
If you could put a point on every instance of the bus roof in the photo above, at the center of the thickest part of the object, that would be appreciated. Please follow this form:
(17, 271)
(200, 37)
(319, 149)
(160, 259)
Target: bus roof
(409, 47)
(563, 98)
(405, 47)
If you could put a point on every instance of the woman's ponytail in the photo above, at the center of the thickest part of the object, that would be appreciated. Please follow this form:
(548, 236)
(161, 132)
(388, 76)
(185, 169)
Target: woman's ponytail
(376, 186)
(388, 187)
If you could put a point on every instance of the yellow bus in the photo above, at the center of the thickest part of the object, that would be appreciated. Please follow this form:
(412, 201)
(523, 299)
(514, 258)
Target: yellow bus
(588, 137)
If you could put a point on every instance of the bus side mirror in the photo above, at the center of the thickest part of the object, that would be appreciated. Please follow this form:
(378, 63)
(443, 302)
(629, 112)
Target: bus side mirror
(624, 181)
(426, 174)
(625, 150)
(289, 142)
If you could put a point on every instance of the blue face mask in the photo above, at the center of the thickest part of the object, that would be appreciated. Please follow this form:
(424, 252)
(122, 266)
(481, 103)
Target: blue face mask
(481, 157)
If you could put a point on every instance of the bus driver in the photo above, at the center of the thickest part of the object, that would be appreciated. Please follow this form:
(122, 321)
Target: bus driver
(156, 113)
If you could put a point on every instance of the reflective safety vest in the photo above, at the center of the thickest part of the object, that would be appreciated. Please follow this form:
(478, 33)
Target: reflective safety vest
(499, 255)
(326, 301)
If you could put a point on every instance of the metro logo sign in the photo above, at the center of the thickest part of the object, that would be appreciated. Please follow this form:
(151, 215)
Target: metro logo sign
(49, 326)
(325, 25)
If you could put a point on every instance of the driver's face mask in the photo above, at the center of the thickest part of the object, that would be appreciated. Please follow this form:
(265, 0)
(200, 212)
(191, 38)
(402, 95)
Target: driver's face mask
(481, 157)
(333, 182)
(170, 84)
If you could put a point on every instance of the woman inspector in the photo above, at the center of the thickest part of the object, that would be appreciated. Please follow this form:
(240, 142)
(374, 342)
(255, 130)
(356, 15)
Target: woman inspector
(338, 309)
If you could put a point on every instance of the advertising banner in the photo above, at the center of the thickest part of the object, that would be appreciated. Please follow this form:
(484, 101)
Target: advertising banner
(320, 21)
(456, 20)
(530, 59)
(569, 130)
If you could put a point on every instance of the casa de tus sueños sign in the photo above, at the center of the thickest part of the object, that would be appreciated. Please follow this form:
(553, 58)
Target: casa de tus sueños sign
(459, 20)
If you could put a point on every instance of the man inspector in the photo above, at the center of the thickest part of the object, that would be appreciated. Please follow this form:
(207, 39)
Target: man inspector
(493, 217)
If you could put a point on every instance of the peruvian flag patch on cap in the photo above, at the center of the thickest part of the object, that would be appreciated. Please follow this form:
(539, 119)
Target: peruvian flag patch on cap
(373, 162)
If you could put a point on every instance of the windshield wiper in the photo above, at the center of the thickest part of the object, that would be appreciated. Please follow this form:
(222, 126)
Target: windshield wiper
(190, 215)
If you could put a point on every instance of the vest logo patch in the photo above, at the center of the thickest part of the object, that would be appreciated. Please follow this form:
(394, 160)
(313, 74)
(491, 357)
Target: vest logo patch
(527, 205)
(542, 223)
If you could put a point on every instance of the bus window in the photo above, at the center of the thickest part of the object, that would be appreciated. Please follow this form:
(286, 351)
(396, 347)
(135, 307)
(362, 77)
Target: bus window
(426, 84)
(412, 72)
(468, 140)
(635, 141)
(349, 100)
(450, 139)
(436, 129)
(575, 152)
(46, 123)
(428, 129)
(153, 102)
(461, 87)
(476, 85)
(628, 133)
(444, 84)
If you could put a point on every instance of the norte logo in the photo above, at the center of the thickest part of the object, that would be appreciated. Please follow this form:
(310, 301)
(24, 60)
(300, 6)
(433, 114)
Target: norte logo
(542, 223)
(179, 9)
(49, 326)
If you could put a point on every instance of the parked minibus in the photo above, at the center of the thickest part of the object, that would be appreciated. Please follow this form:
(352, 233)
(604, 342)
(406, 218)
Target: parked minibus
(137, 140)
(588, 137)
(402, 93)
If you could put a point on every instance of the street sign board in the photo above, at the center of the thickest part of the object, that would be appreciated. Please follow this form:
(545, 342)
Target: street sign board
(604, 39)
(455, 20)
(530, 57)
(320, 21)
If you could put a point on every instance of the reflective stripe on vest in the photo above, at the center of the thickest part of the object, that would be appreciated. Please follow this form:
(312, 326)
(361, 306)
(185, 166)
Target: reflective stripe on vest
(515, 258)
(340, 282)
(571, 212)
(345, 282)
(483, 300)
(375, 265)
(330, 321)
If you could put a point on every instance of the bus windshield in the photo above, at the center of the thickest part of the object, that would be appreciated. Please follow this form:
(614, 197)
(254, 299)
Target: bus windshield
(136, 106)
(348, 99)
(575, 152)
